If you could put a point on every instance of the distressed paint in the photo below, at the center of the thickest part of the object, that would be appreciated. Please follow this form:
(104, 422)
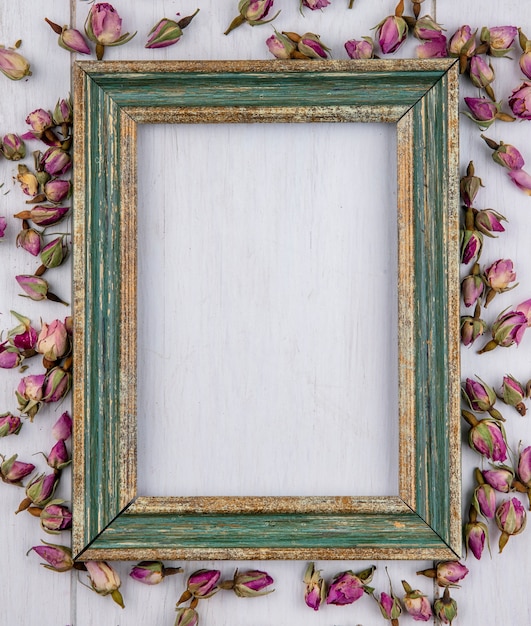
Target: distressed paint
(424, 522)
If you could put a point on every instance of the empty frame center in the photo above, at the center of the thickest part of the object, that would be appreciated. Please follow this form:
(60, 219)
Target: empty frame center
(267, 309)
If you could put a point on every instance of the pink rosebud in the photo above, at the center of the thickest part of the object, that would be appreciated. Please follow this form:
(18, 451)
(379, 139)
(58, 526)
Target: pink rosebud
(253, 12)
(489, 221)
(511, 519)
(3, 226)
(103, 26)
(13, 471)
(152, 572)
(471, 328)
(416, 604)
(280, 46)
(54, 253)
(55, 517)
(500, 275)
(57, 190)
(525, 308)
(471, 245)
(445, 608)
(63, 114)
(13, 65)
(434, 48)
(9, 424)
(202, 583)
(314, 4)
(311, 46)
(348, 587)
(53, 341)
(44, 215)
(104, 580)
(23, 336)
(482, 111)
(447, 573)
(41, 489)
(525, 63)
(520, 101)
(508, 156)
(28, 181)
(509, 328)
(475, 535)
(40, 121)
(315, 592)
(36, 288)
(29, 394)
(360, 49)
(471, 289)
(251, 583)
(59, 457)
(521, 179)
(487, 437)
(56, 385)
(10, 357)
(12, 147)
(187, 617)
(168, 32)
(72, 40)
(62, 429)
(501, 478)
(513, 393)
(484, 500)
(59, 558)
(499, 39)
(479, 395)
(391, 33)
(389, 607)
(55, 161)
(30, 240)
(481, 73)
(462, 42)
(426, 28)
(524, 467)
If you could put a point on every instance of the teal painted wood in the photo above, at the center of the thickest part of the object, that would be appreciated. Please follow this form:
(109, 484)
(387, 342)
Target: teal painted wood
(107, 484)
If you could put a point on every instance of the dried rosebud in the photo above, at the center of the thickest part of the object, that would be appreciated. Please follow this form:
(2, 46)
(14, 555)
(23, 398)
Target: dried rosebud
(498, 39)
(508, 156)
(525, 63)
(310, 45)
(434, 48)
(313, 5)
(508, 329)
(520, 101)
(103, 26)
(348, 587)
(390, 607)
(9, 424)
(315, 593)
(58, 457)
(29, 394)
(498, 278)
(445, 608)
(484, 500)
(36, 288)
(253, 12)
(202, 583)
(12, 147)
(249, 584)
(426, 28)
(55, 161)
(13, 64)
(28, 181)
(63, 114)
(500, 478)
(487, 437)
(360, 49)
(57, 190)
(511, 519)
(55, 517)
(3, 226)
(23, 336)
(469, 185)
(471, 245)
(40, 120)
(41, 489)
(59, 558)
(488, 221)
(471, 329)
(30, 240)
(57, 384)
(13, 471)
(446, 573)
(416, 604)
(54, 253)
(471, 289)
(44, 215)
(152, 572)
(481, 73)
(62, 429)
(521, 179)
(391, 33)
(104, 580)
(10, 357)
(187, 617)
(280, 46)
(513, 393)
(479, 396)
(72, 40)
(476, 533)
(167, 32)
(462, 42)
(524, 467)
(484, 112)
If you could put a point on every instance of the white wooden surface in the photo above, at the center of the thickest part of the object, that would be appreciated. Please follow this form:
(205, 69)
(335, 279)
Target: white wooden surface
(496, 590)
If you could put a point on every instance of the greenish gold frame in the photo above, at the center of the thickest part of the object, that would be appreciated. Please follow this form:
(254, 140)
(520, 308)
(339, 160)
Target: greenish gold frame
(111, 521)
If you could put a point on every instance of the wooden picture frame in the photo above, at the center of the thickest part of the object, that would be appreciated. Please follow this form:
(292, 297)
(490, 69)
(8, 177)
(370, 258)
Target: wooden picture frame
(110, 520)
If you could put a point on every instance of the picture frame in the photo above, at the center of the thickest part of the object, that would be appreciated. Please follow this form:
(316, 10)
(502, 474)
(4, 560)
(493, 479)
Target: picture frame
(110, 520)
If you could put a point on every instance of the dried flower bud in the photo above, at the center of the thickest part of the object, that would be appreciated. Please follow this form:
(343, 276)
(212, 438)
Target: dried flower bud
(391, 33)
(360, 49)
(500, 478)
(253, 12)
(521, 179)
(59, 558)
(54, 253)
(167, 32)
(481, 73)
(462, 42)
(445, 608)
(489, 221)
(280, 46)
(57, 384)
(487, 437)
(72, 40)
(348, 587)
(12, 147)
(513, 393)
(479, 396)
(104, 580)
(13, 471)
(55, 161)
(520, 101)
(471, 289)
(44, 215)
(62, 429)
(511, 519)
(313, 5)
(30, 240)
(251, 583)
(311, 46)
(29, 394)
(28, 181)
(152, 572)
(10, 357)
(41, 489)
(103, 26)
(9, 424)
(499, 39)
(13, 64)
(55, 517)
(446, 573)
(508, 329)
(315, 593)
(57, 190)
(484, 500)
(416, 604)
(187, 617)
(471, 245)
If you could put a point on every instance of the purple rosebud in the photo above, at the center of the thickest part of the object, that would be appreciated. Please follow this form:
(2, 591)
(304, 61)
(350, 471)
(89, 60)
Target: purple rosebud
(104, 580)
(475, 535)
(13, 471)
(311, 46)
(484, 500)
(3, 226)
(426, 28)
(525, 63)
(499, 275)
(280, 46)
(489, 221)
(391, 33)
(55, 517)
(315, 592)
(63, 114)
(446, 573)
(72, 40)
(346, 588)
(36, 288)
(29, 394)
(202, 583)
(187, 617)
(524, 467)
(59, 558)
(13, 65)
(57, 190)
(471, 289)
(252, 583)
(10, 357)
(44, 215)
(521, 179)
(9, 424)
(41, 489)
(511, 519)
(508, 156)
(499, 39)
(520, 101)
(471, 245)
(471, 329)
(55, 161)
(481, 73)
(479, 396)
(255, 10)
(434, 48)
(103, 26)
(445, 608)
(513, 393)
(500, 478)
(165, 33)
(59, 457)
(23, 336)
(360, 49)
(40, 120)
(30, 240)
(488, 438)
(12, 147)
(152, 572)
(62, 429)
(56, 384)
(509, 328)
(315, 4)
(389, 606)
(416, 604)
(53, 341)
(482, 111)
